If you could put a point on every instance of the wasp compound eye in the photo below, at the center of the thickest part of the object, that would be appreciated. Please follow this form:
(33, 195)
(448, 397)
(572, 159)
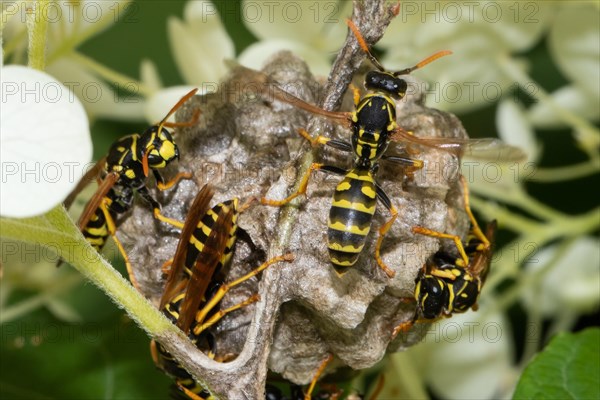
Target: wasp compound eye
(154, 158)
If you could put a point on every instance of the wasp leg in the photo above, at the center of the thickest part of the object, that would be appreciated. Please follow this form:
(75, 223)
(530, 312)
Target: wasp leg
(112, 230)
(411, 163)
(166, 267)
(440, 273)
(189, 393)
(201, 315)
(143, 191)
(313, 382)
(461, 250)
(221, 313)
(247, 204)
(337, 144)
(162, 185)
(474, 225)
(173, 222)
(384, 230)
(404, 326)
(355, 94)
(301, 188)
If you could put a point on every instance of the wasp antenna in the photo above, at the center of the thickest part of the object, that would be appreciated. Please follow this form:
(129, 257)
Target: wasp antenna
(176, 106)
(423, 63)
(363, 44)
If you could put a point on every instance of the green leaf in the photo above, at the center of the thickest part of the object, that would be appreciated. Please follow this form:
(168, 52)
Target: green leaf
(569, 368)
(44, 358)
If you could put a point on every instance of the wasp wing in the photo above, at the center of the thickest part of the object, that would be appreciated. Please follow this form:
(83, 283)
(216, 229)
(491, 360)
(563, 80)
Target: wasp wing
(204, 268)
(271, 90)
(89, 176)
(489, 149)
(96, 200)
(480, 265)
(197, 210)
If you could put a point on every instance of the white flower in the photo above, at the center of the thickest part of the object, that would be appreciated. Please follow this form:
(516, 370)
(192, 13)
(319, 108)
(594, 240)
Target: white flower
(571, 283)
(71, 23)
(492, 176)
(98, 97)
(314, 30)
(569, 97)
(574, 44)
(480, 34)
(258, 53)
(468, 356)
(200, 44)
(514, 128)
(45, 142)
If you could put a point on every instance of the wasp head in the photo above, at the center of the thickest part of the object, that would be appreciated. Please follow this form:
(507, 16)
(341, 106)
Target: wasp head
(432, 295)
(158, 146)
(386, 82)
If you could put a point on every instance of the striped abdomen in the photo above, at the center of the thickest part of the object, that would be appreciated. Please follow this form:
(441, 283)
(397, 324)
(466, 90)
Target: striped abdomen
(118, 200)
(350, 218)
(203, 230)
(96, 230)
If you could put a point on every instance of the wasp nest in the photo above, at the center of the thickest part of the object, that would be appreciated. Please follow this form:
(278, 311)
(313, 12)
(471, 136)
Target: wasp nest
(246, 144)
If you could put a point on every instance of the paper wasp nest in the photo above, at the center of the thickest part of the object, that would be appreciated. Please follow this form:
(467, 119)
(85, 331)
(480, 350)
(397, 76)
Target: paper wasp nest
(246, 144)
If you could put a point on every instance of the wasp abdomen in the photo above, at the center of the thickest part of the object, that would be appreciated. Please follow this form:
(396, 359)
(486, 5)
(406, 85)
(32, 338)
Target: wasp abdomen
(96, 230)
(350, 218)
(203, 230)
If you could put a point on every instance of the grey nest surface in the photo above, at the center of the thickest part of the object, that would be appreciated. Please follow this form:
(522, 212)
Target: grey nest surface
(246, 144)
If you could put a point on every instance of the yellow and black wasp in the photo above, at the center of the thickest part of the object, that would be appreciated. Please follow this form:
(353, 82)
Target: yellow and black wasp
(123, 171)
(450, 283)
(196, 282)
(373, 126)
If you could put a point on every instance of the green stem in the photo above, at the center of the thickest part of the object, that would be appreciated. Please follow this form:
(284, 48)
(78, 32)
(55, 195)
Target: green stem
(567, 173)
(507, 219)
(535, 236)
(517, 196)
(587, 135)
(55, 230)
(111, 76)
(37, 25)
(528, 280)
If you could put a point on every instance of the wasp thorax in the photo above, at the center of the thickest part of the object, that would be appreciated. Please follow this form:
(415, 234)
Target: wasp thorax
(386, 82)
